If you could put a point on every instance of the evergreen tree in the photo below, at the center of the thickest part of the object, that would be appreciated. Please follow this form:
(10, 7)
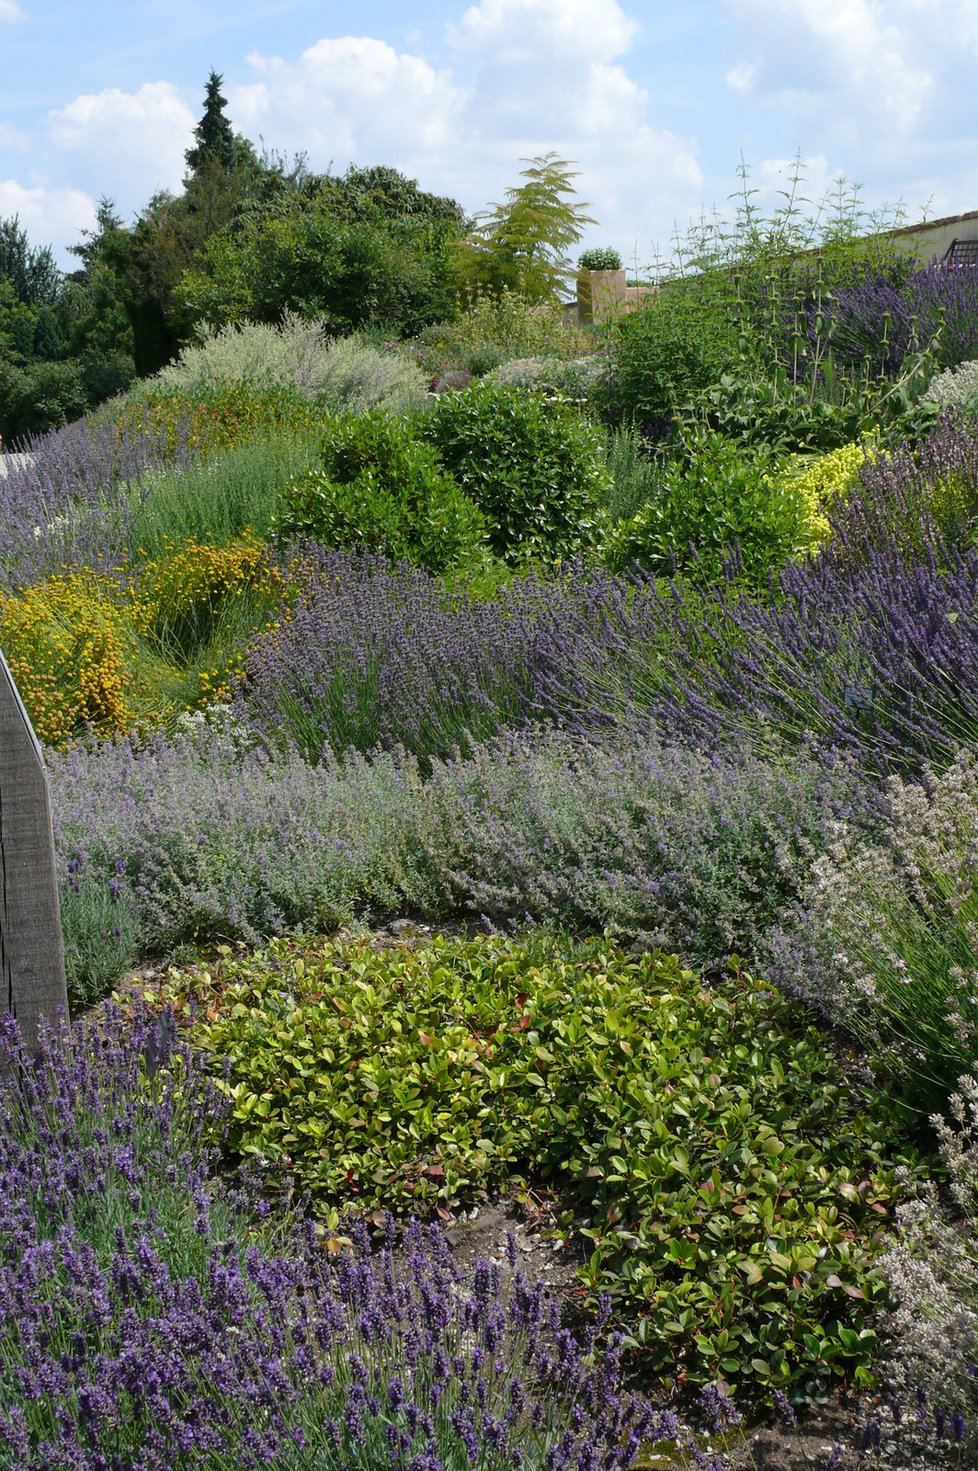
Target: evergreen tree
(214, 134)
(32, 273)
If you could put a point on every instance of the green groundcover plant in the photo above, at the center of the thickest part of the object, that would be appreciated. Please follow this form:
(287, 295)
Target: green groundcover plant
(730, 1192)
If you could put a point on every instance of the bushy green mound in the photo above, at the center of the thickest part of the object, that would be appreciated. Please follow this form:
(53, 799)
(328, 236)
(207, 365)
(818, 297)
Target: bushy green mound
(730, 1190)
(534, 467)
(378, 487)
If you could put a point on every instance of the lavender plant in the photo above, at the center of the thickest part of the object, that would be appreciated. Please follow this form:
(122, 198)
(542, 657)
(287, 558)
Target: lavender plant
(875, 660)
(915, 497)
(146, 1324)
(69, 500)
(371, 654)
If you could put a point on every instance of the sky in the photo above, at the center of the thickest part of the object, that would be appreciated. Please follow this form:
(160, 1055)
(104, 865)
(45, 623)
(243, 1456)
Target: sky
(658, 103)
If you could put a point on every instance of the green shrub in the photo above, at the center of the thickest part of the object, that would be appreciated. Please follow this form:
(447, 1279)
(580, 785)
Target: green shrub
(378, 487)
(730, 1190)
(355, 377)
(532, 465)
(717, 497)
(496, 328)
(666, 353)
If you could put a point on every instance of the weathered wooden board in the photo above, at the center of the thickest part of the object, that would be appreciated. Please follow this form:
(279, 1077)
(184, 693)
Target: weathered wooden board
(32, 970)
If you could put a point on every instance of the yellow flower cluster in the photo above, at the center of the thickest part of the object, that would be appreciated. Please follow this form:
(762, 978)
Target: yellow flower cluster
(178, 601)
(65, 641)
(824, 480)
(89, 652)
(198, 578)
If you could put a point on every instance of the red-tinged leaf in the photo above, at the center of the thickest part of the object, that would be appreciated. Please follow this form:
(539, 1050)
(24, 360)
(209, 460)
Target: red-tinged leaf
(426, 1040)
(521, 1000)
(443, 1214)
(796, 1283)
(523, 1022)
(436, 1172)
(851, 1291)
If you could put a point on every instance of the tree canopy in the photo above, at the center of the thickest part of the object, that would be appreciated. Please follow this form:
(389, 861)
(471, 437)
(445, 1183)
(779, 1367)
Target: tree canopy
(521, 245)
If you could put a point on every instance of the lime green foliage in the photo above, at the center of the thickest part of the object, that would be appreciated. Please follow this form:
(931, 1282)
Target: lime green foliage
(521, 244)
(717, 496)
(730, 1191)
(824, 480)
(533, 466)
(377, 486)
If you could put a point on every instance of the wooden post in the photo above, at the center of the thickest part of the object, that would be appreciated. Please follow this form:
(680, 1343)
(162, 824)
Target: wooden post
(32, 967)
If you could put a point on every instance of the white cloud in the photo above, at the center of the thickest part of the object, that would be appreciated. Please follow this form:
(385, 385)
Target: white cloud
(13, 137)
(541, 30)
(520, 78)
(129, 144)
(10, 10)
(348, 98)
(875, 70)
(53, 217)
(526, 78)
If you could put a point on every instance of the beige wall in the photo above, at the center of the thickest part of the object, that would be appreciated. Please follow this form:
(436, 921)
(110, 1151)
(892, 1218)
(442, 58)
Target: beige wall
(933, 238)
(604, 295)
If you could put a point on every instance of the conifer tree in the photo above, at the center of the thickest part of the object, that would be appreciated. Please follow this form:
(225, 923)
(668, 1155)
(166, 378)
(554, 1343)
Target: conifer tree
(214, 134)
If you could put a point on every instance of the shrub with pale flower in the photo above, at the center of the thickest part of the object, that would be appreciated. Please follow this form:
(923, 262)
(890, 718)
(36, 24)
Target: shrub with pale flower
(888, 942)
(932, 1268)
(958, 386)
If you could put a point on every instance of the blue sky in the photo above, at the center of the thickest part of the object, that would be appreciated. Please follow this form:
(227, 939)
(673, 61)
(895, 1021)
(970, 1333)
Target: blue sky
(656, 101)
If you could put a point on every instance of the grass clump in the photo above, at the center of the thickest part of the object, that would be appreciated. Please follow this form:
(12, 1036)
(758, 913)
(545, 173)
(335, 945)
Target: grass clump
(216, 500)
(731, 1192)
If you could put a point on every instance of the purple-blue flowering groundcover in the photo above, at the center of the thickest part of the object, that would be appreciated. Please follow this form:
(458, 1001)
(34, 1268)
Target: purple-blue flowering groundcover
(148, 1323)
(70, 500)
